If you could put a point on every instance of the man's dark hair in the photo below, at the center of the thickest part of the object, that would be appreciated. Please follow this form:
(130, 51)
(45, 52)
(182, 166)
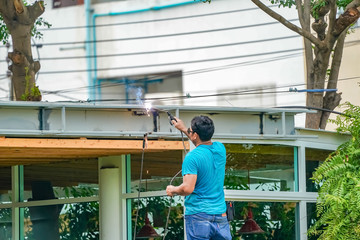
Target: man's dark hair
(203, 126)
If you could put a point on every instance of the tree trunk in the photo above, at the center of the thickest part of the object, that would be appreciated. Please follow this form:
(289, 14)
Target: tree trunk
(328, 30)
(20, 20)
(317, 81)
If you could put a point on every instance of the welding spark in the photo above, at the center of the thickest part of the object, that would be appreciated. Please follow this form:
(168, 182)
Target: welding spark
(148, 107)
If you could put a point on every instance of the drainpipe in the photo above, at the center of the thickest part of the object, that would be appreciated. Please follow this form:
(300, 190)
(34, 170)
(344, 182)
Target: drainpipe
(93, 80)
(88, 13)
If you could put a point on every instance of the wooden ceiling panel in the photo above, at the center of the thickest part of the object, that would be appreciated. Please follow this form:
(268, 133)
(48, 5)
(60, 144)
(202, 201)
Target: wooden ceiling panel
(24, 151)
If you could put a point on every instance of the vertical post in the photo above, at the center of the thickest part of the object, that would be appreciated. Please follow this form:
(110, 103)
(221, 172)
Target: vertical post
(110, 191)
(63, 119)
(17, 182)
(302, 219)
(296, 170)
(302, 168)
(126, 203)
(283, 121)
(21, 199)
(302, 188)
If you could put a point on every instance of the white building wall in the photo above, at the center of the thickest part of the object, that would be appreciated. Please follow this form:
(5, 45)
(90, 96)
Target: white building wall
(243, 67)
(349, 77)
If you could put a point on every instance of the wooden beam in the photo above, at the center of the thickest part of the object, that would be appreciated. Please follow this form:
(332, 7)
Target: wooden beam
(26, 151)
(89, 144)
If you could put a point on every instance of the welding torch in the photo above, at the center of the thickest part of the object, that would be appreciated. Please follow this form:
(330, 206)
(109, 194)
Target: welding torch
(171, 117)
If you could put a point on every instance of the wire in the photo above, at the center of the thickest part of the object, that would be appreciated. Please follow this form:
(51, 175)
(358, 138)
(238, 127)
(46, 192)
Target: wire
(141, 173)
(4, 90)
(170, 50)
(153, 20)
(164, 35)
(313, 108)
(178, 74)
(174, 63)
(170, 183)
(199, 71)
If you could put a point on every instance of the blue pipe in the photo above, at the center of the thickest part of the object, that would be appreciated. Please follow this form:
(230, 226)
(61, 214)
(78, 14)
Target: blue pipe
(318, 90)
(312, 90)
(88, 12)
(93, 79)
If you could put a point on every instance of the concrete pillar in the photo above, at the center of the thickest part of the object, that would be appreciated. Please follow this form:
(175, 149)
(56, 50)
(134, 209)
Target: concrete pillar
(110, 190)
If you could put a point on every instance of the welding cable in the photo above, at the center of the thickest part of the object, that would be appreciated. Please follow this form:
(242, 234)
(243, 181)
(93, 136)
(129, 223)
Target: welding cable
(171, 181)
(140, 180)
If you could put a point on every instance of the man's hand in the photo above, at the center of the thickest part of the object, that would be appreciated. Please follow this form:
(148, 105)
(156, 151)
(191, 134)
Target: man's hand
(179, 124)
(186, 188)
(170, 190)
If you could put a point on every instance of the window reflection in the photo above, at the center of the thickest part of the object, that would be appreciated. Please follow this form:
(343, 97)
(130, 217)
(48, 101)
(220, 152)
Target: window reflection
(5, 185)
(314, 158)
(156, 210)
(61, 180)
(70, 221)
(311, 218)
(5, 224)
(159, 168)
(276, 219)
(260, 167)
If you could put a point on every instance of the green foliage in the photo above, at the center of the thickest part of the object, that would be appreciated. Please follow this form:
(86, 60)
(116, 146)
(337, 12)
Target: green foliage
(4, 33)
(338, 203)
(157, 208)
(5, 223)
(315, 4)
(282, 3)
(343, 3)
(40, 22)
(80, 221)
(34, 91)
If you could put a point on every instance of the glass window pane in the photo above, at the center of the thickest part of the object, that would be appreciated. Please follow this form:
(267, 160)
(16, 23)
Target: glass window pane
(5, 185)
(156, 210)
(61, 180)
(311, 218)
(70, 221)
(260, 167)
(158, 170)
(314, 157)
(5, 224)
(275, 219)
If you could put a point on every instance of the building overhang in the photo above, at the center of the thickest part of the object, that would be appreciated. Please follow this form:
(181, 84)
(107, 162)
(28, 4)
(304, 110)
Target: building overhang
(24, 151)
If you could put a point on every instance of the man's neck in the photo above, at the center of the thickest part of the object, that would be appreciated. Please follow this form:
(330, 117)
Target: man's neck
(204, 143)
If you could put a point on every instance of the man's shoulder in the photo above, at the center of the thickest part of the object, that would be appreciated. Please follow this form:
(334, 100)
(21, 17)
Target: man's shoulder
(218, 144)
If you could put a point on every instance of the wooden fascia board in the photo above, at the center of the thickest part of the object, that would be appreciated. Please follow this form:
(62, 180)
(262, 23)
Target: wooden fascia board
(98, 144)
(40, 149)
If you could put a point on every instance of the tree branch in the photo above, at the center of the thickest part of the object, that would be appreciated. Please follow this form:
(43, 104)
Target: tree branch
(332, 99)
(353, 4)
(345, 20)
(307, 10)
(288, 24)
(19, 6)
(36, 10)
(332, 17)
(336, 61)
(300, 12)
(6, 8)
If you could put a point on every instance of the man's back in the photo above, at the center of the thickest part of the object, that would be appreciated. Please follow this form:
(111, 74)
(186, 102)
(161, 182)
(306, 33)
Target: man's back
(208, 163)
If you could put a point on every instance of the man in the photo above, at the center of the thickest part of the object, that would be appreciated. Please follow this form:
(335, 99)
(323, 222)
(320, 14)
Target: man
(203, 173)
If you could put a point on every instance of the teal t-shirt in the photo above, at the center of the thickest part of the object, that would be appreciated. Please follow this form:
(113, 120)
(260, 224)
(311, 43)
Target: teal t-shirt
(208, 163)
